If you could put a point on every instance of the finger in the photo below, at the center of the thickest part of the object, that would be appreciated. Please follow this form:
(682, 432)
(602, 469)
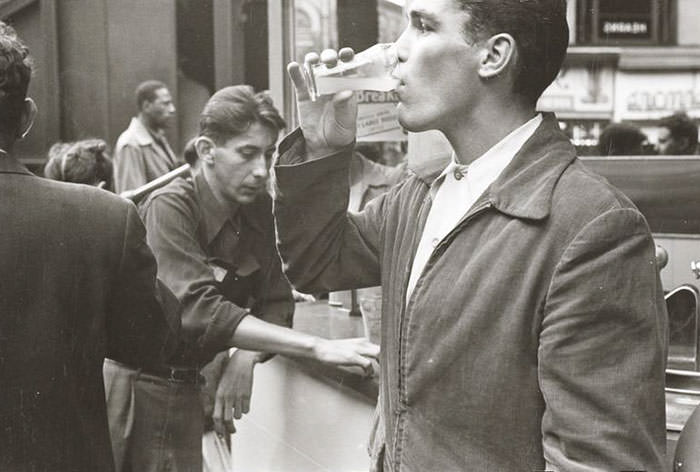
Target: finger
(219, 426)
(344, 103)
(346, 54)
(238, 409)
(311, 58)
(365, 364)
(246, 404)
(228, 420)
(297, 76)
(365, 347)
(329, 57)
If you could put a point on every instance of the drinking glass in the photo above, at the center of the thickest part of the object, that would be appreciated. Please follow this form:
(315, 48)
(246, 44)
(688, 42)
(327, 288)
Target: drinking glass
(370, 69)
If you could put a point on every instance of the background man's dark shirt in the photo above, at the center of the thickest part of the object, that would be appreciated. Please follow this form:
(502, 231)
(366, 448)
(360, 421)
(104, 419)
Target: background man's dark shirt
(221, 264)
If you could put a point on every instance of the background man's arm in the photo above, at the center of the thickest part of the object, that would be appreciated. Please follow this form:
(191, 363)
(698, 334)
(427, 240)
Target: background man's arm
(602, 351)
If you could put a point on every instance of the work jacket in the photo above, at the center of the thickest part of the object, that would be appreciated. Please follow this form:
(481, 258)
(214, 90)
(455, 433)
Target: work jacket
(535, 335)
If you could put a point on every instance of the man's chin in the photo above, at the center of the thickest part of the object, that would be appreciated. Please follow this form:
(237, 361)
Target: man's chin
(412, 125)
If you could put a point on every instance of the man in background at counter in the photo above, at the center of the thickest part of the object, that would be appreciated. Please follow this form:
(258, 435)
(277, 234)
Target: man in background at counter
(142, 152)
(678, 135)
(213, 239)
(523, 320)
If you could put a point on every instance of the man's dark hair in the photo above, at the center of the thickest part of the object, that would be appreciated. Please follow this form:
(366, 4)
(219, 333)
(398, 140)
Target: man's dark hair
(15, 73)
(540, 31)
(680, 126)
(621, 139)
(146, 91)
(231, 110)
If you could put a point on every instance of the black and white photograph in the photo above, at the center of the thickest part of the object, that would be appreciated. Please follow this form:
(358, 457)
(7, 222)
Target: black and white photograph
(349, 236)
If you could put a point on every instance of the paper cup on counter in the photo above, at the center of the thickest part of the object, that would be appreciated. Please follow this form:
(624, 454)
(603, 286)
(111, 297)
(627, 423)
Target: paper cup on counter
(371, 310)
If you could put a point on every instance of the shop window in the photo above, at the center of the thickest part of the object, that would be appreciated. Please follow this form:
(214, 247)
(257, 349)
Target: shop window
(623, 22)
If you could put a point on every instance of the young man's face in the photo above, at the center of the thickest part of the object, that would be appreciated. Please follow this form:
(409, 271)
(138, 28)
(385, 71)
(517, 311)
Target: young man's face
(241, 166)
(161, 110)
(668, 145)
(437, 67)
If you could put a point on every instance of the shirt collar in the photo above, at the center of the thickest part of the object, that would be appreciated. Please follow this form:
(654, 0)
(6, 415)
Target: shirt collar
(524, 188)
(487, 167)
(215, 214)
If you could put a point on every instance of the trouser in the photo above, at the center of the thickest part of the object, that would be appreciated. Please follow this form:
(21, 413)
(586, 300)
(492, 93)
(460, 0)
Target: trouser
(156, 424)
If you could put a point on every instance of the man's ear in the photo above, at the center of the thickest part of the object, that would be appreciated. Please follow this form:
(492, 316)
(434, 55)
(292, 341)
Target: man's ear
(205, 148)
(499, 51)
(26, 119)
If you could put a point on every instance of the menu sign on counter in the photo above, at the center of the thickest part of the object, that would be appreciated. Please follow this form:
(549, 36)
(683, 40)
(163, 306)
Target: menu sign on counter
(377, 119)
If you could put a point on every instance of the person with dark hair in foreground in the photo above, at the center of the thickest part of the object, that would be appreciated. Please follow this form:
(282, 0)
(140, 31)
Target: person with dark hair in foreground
(523, 319)
(142, 152)
(678, 135)
(213, 238)
(77, 283)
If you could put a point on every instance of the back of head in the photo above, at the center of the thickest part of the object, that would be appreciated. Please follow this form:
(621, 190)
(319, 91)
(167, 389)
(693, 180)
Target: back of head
(620, 139)
(683, 131)
(231, 110)
(540, 31)
(15, 73)
(146, 92)
(83, 162)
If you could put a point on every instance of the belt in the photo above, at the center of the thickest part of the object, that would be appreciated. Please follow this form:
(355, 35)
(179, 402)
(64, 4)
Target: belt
(177, 375)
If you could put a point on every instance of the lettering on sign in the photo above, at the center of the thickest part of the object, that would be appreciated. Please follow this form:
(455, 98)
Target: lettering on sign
(377, 119)
(370, 96)
(663, 100)
(625, 27)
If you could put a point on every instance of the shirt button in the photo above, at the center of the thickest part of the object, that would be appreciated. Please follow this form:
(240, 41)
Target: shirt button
(458, 174)
(435, 242)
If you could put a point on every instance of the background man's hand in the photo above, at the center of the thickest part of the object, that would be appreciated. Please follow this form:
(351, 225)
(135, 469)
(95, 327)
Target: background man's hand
(329, 123)
(348, 352)
(233, 392)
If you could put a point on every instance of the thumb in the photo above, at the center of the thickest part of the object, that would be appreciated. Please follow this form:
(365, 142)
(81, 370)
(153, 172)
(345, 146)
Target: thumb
(345, 103)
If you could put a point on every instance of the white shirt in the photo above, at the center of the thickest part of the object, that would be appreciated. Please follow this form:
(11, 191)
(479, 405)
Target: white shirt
(458, 188)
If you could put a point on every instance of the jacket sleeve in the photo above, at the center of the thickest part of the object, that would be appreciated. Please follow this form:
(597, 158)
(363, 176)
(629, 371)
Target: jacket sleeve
(602, 351)
(324, 247)
(129, 168)
(208, 318)
(273, 294)
(142, 316)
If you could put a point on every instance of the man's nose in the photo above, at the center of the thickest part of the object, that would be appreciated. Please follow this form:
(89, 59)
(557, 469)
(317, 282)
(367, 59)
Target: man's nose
(402, 46)
(261, 169)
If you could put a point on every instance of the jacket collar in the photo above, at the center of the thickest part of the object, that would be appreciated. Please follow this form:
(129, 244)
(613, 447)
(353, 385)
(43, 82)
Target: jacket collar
(9, 165)
(142, 135)
(524, 188)
(215, 214)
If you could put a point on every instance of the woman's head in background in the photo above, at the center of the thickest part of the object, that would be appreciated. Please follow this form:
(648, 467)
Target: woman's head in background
(81, 162)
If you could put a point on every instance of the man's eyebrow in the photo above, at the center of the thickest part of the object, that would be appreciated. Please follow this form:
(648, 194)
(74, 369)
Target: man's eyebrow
(423, 14)
(248, 147)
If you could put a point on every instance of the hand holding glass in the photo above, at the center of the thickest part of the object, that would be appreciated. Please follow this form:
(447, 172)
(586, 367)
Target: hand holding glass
(370, 69)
